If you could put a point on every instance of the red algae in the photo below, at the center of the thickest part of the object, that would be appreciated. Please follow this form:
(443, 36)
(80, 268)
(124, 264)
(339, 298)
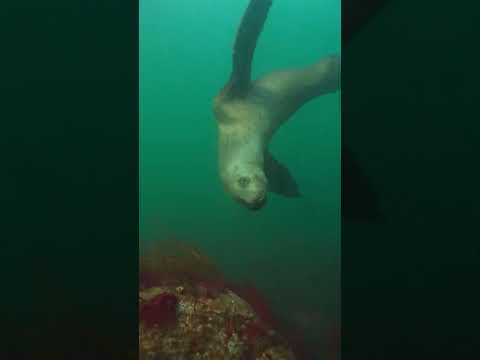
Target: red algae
(258, 303)
(253, 331)
(147, 279)
(210, 288)
(179, 273)
(161, 310)
(176, 263)
(334, 344)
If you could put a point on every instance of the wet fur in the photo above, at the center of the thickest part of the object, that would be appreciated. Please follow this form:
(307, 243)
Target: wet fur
(249, 112)
(246, 124)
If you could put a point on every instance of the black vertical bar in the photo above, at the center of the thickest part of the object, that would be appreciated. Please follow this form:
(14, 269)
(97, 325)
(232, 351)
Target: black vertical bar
(69, 184)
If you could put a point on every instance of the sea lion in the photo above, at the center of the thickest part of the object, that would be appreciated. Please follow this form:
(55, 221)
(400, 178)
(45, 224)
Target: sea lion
(248, 114)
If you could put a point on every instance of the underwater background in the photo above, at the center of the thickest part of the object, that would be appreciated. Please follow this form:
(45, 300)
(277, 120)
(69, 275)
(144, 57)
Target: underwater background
(290, 249)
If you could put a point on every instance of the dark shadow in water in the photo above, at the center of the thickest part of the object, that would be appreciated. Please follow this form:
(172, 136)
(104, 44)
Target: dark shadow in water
(356, 14)
(359, 199)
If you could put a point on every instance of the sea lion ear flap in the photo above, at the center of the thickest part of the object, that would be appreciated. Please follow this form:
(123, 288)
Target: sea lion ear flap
(280, 180)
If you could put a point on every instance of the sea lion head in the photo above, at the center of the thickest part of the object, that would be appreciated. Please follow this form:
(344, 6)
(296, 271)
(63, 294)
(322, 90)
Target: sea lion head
(247, 184)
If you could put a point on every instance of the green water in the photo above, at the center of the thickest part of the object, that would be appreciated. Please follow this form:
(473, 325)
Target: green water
(291, 248)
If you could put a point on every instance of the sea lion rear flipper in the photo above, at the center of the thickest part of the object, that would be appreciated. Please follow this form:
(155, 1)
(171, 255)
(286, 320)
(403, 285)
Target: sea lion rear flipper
(280, 180)
(244, 47)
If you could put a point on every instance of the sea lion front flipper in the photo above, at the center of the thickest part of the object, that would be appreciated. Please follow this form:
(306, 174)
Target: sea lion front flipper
(280, 180)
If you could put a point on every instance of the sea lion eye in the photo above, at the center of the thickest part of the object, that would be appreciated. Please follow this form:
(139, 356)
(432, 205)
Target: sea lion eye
(243, 181)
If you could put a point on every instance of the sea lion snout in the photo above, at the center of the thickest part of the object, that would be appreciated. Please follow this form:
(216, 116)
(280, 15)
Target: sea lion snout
(257, 204)
(251, 191)
(254, 202)
(248, 186)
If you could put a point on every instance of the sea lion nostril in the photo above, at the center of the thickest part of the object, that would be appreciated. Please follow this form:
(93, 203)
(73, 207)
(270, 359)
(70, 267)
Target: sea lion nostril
(244, 181)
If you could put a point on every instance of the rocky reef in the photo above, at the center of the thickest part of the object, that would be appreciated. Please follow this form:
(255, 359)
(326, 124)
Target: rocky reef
(188, 311)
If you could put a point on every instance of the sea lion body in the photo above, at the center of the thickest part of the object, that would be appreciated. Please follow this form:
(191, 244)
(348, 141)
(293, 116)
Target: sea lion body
(245, 128)
(249, 112)
(247, 123)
